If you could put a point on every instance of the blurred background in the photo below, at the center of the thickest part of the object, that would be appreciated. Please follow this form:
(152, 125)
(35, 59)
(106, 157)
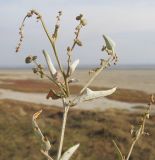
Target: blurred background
(131, 25)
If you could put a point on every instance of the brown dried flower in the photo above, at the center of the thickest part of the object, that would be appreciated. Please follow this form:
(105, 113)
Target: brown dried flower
(79, 17)
(28, 59)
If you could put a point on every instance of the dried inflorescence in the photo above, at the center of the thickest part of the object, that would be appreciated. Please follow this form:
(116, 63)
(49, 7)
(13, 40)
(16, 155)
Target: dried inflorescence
(137, 131)
(62, 78)
(21, 29)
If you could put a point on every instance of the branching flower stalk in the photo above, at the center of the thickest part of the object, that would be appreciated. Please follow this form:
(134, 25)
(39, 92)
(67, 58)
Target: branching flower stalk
(137, 131)
(62, 78)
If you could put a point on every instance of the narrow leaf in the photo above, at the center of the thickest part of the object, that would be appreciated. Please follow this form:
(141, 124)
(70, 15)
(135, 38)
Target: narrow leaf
(89, 94)
(110, 44)
(74, 65)
(51, 67)
(69, 152)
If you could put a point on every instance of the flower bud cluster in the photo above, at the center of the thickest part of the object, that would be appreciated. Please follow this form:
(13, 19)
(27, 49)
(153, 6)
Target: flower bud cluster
(21, 37)
(81, 19)
(39, 69)
(139, 130)
(21, 34)
(57, 26)
(30, 59)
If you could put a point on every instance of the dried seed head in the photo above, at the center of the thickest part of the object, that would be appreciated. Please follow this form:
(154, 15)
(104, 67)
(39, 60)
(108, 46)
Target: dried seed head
(79, 17)
(57, 26)
(35, 70)
(34, 58)
(78, 27)
(21, 37)
(103, 48)
(41, 74)
(68, 49)
(29, 14)
(40, 66)
(83, 22)
(28, 59)
(60, 13)
(78, 42)
(103, 62)
(38, 17)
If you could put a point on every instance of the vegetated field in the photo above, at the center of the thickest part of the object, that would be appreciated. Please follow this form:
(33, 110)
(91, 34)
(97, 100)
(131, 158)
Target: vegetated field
(93, 130)
(29, 85)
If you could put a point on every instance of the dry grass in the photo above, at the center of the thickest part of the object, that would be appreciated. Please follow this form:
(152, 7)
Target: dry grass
(125, 95)
(94, 131)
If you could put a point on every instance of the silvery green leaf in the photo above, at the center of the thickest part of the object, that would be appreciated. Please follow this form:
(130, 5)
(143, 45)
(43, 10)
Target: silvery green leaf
(69, 152)
(110, 44)
(89, 94)
(46, 144)
(49, 63)
(74, 65)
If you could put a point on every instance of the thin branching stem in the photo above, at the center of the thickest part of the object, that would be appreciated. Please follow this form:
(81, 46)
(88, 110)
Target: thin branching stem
(67, 85)
(71, 50)
(64, 91)
(131, 148)
(95, 75)
(140, 131)
(103, 66)
(59, 85)
(118, 150)
(52, 44)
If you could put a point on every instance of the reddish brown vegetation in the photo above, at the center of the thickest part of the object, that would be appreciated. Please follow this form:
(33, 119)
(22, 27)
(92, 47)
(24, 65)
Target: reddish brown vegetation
(93, 130)
(125, 95)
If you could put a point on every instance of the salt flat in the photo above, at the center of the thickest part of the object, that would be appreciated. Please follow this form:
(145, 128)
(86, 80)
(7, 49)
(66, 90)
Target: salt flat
(143, 80)
(138, 79)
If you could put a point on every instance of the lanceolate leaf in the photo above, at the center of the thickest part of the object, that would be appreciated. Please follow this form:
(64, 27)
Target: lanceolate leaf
(74, 65)
(67, 155)
(89, 94)
(51, 67)
(110, 44)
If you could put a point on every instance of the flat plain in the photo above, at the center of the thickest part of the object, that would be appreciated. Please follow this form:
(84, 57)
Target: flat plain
(22, 93)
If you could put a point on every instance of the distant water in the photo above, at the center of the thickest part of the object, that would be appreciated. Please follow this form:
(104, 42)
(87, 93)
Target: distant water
(128, 67)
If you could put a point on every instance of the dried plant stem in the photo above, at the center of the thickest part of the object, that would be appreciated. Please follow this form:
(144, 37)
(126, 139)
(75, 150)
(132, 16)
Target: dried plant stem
(52, 44)
(63, 85)
(131, 148)
(140, 131)
(118, 150)
(139, 134)
(71, 50)
(66, 109)
(59, 85)
(95, 75)
(67, 85)
(46, 155)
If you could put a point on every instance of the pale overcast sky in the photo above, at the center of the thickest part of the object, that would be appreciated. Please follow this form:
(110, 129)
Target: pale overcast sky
(130, 23)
